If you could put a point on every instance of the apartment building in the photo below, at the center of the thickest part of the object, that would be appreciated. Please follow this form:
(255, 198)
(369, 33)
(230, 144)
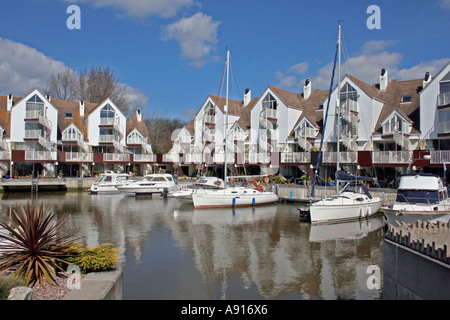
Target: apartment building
(385, 128)
(48, 137)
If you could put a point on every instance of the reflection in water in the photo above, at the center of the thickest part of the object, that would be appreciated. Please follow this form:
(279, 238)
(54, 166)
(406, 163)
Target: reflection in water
(168, 250)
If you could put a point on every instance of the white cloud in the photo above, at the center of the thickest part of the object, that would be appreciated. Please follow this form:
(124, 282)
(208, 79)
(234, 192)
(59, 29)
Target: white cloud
(445, 4)
(290, 80)
(366, 65)
(24, 68)
(197, 36)
(141, 8)
(299, 68)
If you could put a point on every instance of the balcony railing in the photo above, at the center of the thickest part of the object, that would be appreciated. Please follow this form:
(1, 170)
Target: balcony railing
(116, 157)
(391, 157)
(79, 157)
(440, 156)
(41, 155)
(210, 118)
(444, 99)
(144, 158)
(5, 155)
(295, 157)
(37, 114)
(258, 157)
(269, 113)
(220, 158)
(344, 157)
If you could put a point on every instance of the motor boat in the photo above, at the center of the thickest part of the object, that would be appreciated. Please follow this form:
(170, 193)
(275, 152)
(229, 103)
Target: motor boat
(184, 193)
(250, 193)
(420, 196)
(345, 206)
(108, 182)
(155, 183)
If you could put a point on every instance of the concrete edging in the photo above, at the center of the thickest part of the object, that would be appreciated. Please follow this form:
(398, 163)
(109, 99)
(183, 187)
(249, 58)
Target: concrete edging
(99, 286)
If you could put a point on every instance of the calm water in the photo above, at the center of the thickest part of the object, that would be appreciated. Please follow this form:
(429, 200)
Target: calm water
(168, 250)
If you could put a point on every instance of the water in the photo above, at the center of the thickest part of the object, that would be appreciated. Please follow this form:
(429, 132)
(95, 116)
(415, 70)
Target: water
(168, 250)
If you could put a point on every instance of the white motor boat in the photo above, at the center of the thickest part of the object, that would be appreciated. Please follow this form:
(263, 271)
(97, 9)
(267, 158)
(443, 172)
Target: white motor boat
(108, 182)
(420, 196)
(344, 207)
(248, 194)
(184, 193)
(150, 184)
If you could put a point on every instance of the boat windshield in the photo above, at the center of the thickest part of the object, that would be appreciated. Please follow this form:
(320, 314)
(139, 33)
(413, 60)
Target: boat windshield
(417, 196)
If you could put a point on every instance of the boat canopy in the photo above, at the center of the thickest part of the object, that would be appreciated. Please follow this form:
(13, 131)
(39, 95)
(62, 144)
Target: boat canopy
(344, 176)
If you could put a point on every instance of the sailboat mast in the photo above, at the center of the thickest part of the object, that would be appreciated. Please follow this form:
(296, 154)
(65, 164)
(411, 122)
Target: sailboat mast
(226, 121)
(338, 111)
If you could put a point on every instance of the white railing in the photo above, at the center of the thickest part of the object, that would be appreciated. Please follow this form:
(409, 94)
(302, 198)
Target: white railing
(444, 99)
(106, 138)
(79, 157)
(391, 156)
(37, 114)
(269, 113)
(210, 118)
(145, 158)
(41, 155)
(258, 157)
(344, 157)
(136, 140)
(5, 155)
(295, 157)
(175, 158)
(116, 157)
(220, 158)
(440, 156)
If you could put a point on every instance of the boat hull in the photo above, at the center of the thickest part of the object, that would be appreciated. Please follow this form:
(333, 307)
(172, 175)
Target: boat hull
(333, 213)
(410, 217)
(224, 199)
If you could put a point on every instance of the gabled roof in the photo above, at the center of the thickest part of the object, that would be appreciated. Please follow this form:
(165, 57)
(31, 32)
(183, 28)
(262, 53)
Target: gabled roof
(5, 116)
(73, 108)
(139, 125)
(234, 106)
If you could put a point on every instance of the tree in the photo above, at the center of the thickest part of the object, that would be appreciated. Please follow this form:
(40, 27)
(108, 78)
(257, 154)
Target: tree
(160, 132)
(93, 85)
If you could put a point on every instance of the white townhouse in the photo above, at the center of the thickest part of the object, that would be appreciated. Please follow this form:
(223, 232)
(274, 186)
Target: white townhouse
(435, 115)
(33, 130)
(43, 136)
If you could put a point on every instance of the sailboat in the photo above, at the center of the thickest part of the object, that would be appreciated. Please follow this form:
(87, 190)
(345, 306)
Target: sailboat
(351, 203)
(249, 193)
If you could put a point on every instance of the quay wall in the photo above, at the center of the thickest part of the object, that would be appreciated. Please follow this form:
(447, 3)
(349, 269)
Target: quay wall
(411, 275)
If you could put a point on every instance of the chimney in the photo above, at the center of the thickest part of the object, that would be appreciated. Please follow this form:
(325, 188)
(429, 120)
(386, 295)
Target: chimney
(81, 108)
(138, 115)
(307, 89)
(10, 102)
(383, 79)
(48, 97)
(247, 97)
(427, 79)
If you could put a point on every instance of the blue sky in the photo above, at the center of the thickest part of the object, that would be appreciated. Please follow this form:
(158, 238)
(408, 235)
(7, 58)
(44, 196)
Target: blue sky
(171, 53)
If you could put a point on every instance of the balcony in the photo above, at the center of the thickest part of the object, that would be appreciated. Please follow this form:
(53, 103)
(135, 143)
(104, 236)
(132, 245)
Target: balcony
(295, 157)
(220, 158)
(255, 158)
(37, 135)
(41, 156)
(145, 157)
(116, 157)
(37, 115)
(210, 119)
(444, 99)
(344, 157)
(269, 113)
(77, 138)
(392, 157)
(79, 157)
(440, 157)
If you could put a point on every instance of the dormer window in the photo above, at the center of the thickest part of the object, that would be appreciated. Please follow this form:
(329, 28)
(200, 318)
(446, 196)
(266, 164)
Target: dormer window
(69, 115)
(407, 98)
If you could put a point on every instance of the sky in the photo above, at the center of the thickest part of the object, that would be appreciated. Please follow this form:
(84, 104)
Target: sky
(170, 54)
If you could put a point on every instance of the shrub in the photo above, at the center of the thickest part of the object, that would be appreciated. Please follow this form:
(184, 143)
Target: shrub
(100, 258)
(35, 243)
(8, 282)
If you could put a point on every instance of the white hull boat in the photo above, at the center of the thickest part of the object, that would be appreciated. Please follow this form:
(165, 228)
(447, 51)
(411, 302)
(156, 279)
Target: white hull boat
(156, 183)
(203, 184)
(250, 194)
(347, 206)
(420, 196)
(108, 182)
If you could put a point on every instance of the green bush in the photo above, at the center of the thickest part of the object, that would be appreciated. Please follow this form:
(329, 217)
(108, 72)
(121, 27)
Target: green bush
(100, 258)
(9, 282)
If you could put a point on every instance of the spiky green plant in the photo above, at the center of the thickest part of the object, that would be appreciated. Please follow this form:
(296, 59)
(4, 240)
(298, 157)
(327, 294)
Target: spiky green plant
(35, 243)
